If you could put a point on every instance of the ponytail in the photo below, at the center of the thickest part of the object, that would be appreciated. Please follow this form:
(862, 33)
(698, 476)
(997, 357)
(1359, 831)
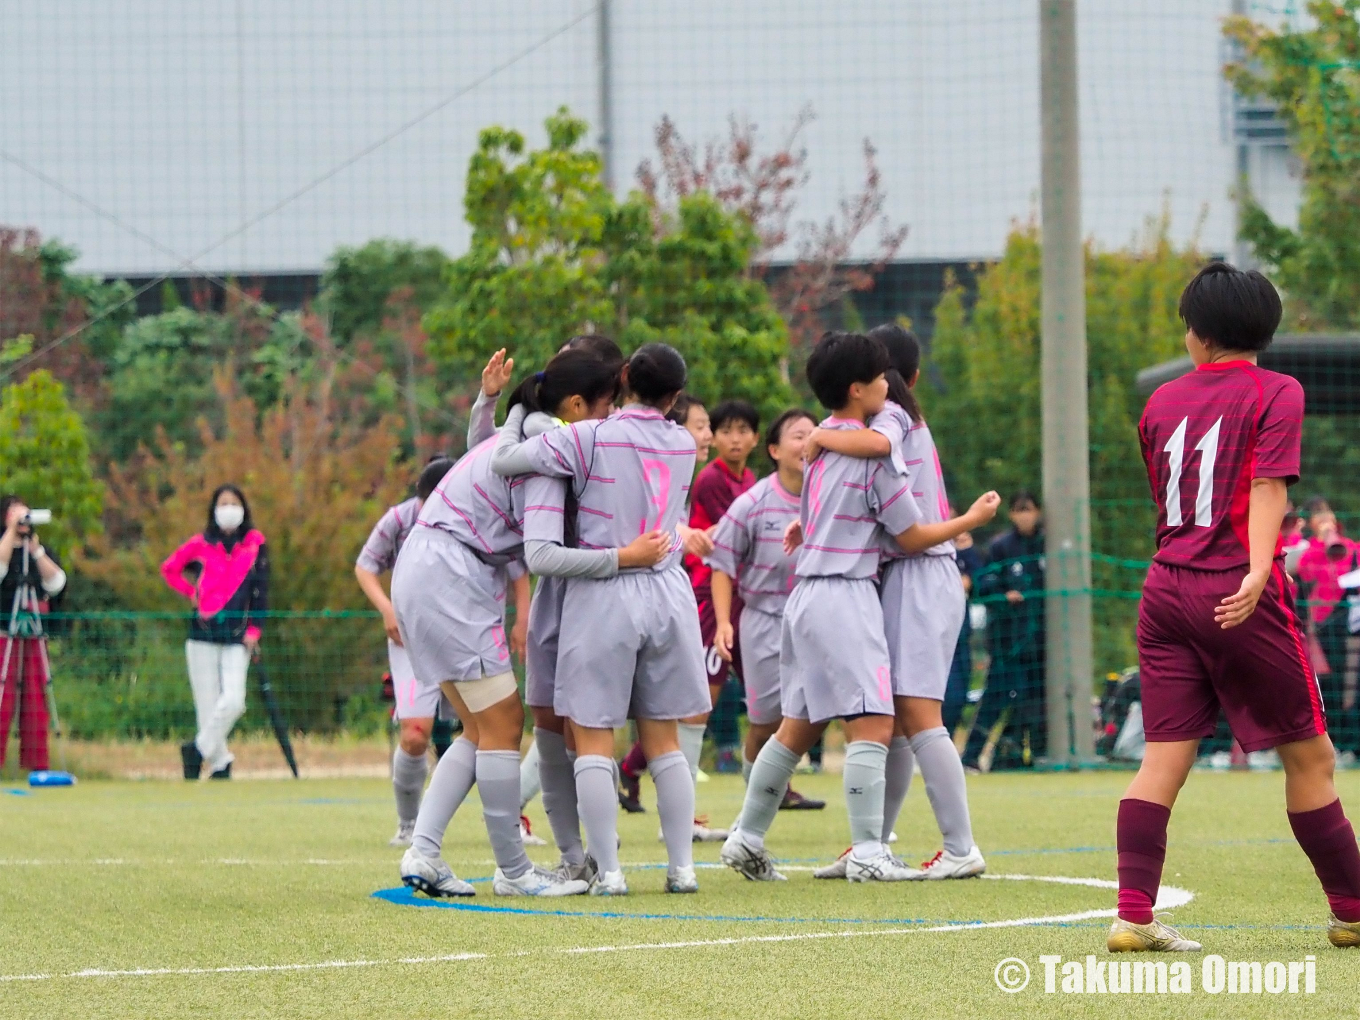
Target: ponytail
(904, 351)
(572, 372)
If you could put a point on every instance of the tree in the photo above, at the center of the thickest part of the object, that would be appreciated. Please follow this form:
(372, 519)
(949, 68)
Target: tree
(45, 458)
(1313, 76)
(553, 254)
(981, 394)
(358, 284)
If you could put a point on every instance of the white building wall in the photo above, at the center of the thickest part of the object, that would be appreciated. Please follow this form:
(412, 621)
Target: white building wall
(148, 132)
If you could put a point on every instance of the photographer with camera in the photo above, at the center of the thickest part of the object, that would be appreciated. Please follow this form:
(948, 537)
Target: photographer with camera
(30, 579)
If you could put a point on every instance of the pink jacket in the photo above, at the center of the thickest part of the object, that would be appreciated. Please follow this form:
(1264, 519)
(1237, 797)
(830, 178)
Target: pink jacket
(233, 582)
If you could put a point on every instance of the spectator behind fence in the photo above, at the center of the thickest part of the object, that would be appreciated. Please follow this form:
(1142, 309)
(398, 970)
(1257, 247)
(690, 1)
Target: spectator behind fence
(31, 580)
(1329, 556)
(969, 559)
(229, 593)
(1015, 641)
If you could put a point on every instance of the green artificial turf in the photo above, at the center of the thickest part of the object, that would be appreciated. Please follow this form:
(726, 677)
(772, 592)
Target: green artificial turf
(157, 876)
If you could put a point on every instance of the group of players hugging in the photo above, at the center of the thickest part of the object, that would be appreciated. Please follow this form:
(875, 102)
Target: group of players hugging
(831, 586)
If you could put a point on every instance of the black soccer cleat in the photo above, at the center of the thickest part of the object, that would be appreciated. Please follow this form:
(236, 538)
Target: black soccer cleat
(193, 761)
(223, 773)
(795, 801)
(630, 792)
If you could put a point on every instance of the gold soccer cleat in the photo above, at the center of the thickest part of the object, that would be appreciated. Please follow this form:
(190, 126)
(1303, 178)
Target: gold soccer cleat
(1127, 937)
(1343, 934)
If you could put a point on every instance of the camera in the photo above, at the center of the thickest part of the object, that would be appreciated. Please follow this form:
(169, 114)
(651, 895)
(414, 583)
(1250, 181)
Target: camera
(34, 518)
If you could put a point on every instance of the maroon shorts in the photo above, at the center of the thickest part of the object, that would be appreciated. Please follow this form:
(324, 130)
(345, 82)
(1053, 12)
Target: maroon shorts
(1258, 672)
(714, 664)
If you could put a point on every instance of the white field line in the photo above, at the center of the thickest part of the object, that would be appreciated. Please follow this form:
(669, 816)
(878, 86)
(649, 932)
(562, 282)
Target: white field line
(1168, 898)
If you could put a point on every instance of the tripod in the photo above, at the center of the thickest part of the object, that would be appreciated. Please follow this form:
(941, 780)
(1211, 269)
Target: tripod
(25, 624)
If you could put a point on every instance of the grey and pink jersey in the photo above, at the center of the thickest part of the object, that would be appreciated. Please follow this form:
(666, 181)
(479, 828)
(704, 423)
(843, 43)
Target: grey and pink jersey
(749, 545)
(631, 474)
(914, 455)
(379, 553)
(478, 507)
(849, 506)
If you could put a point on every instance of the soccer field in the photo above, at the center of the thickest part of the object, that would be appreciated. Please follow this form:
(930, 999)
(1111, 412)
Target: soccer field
(253, 899)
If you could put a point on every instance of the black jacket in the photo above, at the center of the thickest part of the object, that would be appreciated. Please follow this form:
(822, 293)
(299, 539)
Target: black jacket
(9, 587)
(1015, 562)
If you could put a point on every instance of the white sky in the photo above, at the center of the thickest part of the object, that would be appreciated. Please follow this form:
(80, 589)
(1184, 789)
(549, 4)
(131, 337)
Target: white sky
(184, 119)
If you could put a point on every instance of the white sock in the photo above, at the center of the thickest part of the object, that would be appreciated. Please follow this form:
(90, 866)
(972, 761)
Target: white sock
(675, 805)
(946, 787)
(453, 778)
(770, 775)
(864, 779)
(597, 799)
(529, 783)
(559, 794)
(408, 783)
(692, 746)
(897, 780)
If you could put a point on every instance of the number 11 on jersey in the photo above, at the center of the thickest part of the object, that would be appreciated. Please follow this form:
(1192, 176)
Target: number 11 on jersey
(1204, 498)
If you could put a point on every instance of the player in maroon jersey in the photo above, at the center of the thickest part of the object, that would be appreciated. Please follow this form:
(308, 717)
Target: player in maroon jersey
(1217, 626)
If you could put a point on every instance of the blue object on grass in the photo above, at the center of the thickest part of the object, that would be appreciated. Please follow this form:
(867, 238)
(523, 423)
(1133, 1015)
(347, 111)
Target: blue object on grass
(45, 777)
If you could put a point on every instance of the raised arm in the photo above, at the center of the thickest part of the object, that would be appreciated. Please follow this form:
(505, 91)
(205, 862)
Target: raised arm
(920, 536)
(482, 419)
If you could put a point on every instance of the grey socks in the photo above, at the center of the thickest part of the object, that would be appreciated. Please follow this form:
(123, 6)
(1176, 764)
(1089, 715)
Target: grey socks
(864, 779)
(597, 799)
(896, 781)
(691, 746)
(765, 791)
(945, 786)
(498, 783)
(559, 794)
(675, 805)
(453, 778)
(529, 783)
(408, 783)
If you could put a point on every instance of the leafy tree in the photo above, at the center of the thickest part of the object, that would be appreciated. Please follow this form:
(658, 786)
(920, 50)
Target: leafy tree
(1313, 75)
(981, 393)
(359, 282)
(553, 254)
(45, 458)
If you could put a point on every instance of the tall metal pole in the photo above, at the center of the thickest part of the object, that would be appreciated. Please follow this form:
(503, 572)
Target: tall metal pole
(604, 60)
(1066, 457)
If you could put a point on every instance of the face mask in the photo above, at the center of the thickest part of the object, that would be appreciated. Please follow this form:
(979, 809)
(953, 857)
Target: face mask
(229, 517)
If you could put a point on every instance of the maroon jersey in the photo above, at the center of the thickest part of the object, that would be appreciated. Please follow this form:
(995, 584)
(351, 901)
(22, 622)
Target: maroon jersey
(1205, 436)
(715, 489)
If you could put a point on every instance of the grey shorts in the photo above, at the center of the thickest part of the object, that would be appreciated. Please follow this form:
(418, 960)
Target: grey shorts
(545, 624)
(450, 608)
(833, 659)
(630, 648)
(923, 607)
(759, 637)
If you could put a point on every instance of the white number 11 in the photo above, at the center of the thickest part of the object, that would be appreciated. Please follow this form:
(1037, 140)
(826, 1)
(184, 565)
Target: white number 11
(1204, 499)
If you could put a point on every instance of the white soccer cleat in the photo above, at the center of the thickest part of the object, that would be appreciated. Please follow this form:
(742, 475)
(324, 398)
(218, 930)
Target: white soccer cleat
(749, 862)
(526, 833)
(682, 880)
(836, 869)
(1127, 937)
(882, 867)
(946, 865)
(405, 830)
(610, 883)
(432, 876)
(536, 882)
(703, 834)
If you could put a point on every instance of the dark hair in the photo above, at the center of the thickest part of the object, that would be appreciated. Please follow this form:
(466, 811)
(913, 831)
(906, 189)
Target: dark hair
(734, 410)
(679, 412)
(432, 474)
(597, 344)
(904, 351)
(576, 371)
(7, 501)
(215, 534)
(656, 373)
(839, 361)
(775, 433)
(1317, 505)
(1022, 496)
(1230, 309)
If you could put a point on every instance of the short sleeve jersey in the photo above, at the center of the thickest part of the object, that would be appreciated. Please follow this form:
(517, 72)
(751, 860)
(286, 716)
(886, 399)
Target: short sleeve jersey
(379, 553)
(715, 488)
(848, 506)
(914, 455)
(1205, 436)
(477, 506)
(630, 472)
(749, 545)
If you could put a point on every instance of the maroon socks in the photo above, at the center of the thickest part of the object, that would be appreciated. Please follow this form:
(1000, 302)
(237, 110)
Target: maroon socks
(634, 762)
(1328, 840)
(1141, 841)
